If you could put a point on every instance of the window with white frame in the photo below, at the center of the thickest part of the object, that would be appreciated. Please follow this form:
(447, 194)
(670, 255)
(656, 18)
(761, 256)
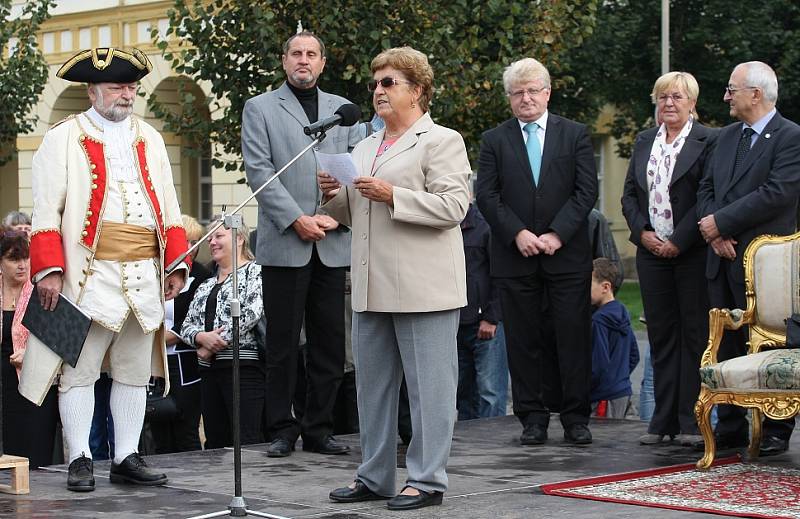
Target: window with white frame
(598, 143)
(206, 205)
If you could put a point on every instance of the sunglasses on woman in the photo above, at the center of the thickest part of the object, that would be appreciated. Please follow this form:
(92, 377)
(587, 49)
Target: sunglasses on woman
(386, 82)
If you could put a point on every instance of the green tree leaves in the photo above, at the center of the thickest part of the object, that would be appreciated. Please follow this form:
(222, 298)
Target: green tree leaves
(621, 61)
(235, 46)
(23, 74)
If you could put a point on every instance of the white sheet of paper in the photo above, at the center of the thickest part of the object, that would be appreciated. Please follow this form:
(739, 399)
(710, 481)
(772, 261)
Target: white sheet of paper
(339, 165)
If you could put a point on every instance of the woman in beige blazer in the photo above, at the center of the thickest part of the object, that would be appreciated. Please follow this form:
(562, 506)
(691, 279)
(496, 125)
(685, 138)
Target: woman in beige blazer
(408, 281)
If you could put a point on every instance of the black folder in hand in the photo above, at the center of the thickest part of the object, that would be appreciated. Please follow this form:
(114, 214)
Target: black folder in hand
(63, 330)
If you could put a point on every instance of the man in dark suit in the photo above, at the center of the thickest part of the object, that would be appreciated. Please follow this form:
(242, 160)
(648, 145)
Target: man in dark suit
(536, 186)
(751, 187)
(304, 254)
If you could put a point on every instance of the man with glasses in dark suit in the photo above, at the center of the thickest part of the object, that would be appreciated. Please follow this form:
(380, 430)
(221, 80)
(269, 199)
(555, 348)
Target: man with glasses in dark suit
(536, 185)
(750, 187)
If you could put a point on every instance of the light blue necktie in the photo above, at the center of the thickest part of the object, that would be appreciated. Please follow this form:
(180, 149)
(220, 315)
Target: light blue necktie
(534, 150)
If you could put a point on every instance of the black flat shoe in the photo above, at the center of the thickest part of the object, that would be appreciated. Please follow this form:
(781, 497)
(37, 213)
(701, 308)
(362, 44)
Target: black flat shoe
(80, 477)
(533, 434)
(578, 434)
(354, 495)
(326, 446)
(279, 448)
(133, 469)
(404, 502)
(772, 446)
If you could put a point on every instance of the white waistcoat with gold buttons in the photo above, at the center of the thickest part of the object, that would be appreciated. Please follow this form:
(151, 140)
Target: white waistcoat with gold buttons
(114, 289)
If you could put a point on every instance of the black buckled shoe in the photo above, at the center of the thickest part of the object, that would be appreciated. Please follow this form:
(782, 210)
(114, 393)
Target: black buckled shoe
(81, 474)
(423, 499)
(360, 492)
(533, 434)
(578, 434)
(326, 446)
(133, 469)
(280, 448)
(772, 446)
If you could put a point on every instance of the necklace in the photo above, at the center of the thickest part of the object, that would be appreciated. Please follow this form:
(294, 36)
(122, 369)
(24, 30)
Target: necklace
(14, 297)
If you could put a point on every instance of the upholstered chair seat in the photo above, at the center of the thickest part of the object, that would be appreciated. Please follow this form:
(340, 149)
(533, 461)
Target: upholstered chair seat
(768, 370)
(767, 379)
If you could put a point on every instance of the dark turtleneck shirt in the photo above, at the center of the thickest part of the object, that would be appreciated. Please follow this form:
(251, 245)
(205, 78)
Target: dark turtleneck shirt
(308, 98)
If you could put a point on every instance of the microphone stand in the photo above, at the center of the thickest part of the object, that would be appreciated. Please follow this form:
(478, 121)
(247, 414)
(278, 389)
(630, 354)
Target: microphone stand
(233, 221)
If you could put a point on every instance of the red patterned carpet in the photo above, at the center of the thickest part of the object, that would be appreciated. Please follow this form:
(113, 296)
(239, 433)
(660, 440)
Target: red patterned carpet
(728, 488)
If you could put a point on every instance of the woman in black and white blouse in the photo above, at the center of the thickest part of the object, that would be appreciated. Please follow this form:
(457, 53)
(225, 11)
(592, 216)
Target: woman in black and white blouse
(207, 327)
(659, 203)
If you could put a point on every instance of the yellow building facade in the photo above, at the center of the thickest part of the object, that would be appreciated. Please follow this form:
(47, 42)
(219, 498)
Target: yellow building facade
(82, 24)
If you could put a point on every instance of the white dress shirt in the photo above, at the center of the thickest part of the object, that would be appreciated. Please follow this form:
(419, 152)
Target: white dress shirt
(542, 122)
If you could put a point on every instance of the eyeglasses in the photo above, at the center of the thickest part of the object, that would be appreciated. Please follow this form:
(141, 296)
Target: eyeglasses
(519, 94)
(676, 98)
(386, 82)
(732, 90)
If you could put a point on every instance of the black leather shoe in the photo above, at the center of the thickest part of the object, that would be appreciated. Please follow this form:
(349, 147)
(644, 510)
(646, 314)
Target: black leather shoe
(133, 469)
(326, 446)
(725, 441)
(578, 434)
(533, 434)
(354, 495)
(81, 474)
(404, 502)
(280, 448)
(772, 445)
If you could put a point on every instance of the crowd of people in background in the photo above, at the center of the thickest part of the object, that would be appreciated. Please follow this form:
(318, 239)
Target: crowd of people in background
(448, 295)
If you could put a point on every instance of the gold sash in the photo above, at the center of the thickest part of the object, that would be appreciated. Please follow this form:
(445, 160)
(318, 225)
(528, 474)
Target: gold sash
(126, 242)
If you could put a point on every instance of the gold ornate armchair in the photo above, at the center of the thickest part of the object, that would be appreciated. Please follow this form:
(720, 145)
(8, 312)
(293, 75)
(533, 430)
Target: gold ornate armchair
(767, 379)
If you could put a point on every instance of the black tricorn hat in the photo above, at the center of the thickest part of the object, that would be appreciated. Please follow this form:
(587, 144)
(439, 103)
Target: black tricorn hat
(106, 65)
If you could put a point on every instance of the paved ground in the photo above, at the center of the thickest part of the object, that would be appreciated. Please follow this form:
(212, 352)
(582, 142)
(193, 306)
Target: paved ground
(491, 475)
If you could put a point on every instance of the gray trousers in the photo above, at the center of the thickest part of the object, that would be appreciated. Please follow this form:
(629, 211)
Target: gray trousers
(423, 346)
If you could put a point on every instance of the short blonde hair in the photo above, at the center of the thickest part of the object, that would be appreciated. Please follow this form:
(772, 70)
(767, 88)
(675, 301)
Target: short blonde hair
(192, 227)
(414, 66)
(244, 232)
(682, 81)
(524, 70)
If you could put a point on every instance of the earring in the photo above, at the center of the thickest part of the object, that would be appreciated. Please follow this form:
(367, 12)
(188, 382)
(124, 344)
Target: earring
(413, 105)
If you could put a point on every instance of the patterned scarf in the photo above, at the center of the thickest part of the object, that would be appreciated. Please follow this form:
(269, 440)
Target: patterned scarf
(659, 175)
(19, 334)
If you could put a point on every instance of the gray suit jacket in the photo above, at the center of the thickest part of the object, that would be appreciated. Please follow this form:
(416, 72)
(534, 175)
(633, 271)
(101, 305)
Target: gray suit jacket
(272, 134)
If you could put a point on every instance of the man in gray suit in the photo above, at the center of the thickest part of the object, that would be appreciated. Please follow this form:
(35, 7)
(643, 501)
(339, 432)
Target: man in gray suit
(304, 254)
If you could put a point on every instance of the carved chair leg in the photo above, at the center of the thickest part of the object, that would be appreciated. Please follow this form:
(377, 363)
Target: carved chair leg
(702, 413)
(755, 436)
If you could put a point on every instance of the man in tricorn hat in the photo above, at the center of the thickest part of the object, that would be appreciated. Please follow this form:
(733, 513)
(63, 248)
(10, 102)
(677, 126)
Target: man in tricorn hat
(105, 223)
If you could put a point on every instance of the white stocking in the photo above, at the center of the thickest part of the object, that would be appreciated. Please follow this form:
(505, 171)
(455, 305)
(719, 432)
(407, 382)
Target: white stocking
(127, 409)
(76, 406)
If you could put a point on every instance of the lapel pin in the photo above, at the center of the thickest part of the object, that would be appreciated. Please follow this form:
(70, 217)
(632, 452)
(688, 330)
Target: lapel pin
(767, 136)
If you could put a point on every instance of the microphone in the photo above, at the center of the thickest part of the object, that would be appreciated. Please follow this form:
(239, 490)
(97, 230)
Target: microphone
(345, 115)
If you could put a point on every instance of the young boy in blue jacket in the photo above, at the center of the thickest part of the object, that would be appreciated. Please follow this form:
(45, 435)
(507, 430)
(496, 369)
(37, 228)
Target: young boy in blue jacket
(614, 350)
